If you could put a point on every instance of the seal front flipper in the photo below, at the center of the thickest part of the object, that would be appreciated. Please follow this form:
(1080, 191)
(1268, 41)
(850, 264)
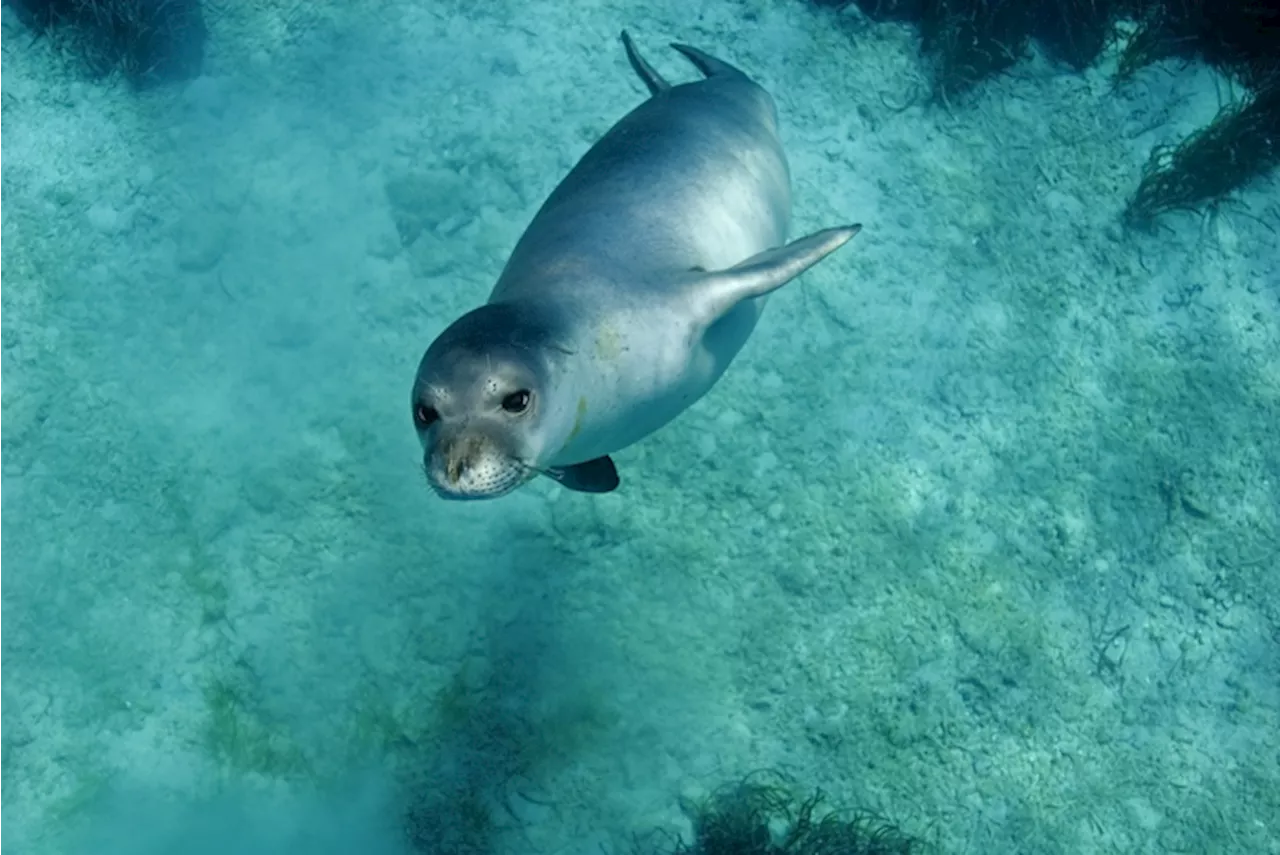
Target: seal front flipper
(716, 293)
(594, 476)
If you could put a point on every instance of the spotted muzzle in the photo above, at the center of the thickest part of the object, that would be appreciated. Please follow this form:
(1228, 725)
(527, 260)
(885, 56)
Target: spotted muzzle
(471, 465)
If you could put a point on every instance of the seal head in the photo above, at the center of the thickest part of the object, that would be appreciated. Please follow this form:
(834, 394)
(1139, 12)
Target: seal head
(478, 399)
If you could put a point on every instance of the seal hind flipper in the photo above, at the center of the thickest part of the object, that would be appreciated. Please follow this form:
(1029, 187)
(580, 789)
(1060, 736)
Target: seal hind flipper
(593, 476)
(646, 72)
(716, 293)
(708, 64)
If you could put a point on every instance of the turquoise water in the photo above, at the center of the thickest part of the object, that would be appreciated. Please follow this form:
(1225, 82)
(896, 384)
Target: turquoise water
(979, 532)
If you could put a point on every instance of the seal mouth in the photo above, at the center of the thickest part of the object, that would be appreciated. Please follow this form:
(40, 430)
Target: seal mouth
(473, 469)
(493, 489)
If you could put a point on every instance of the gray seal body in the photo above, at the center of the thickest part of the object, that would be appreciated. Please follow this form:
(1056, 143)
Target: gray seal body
(637, 283)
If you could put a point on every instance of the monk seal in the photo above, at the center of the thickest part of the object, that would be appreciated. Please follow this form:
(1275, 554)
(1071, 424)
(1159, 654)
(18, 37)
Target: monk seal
(636, 284)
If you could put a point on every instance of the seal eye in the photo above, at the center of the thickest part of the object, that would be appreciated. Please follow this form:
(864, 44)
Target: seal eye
(517, 402)
(424, 416)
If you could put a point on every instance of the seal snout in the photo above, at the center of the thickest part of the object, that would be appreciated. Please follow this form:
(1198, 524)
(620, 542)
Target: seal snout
(471, 466)
(461, 456)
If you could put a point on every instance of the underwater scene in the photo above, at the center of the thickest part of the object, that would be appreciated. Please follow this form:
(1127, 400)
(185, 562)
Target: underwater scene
(594, 427)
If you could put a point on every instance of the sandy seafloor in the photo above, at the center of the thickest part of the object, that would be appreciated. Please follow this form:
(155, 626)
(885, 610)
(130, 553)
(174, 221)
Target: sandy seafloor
(980, 531)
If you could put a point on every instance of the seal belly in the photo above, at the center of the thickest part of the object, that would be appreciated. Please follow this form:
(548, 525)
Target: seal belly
(642, 369)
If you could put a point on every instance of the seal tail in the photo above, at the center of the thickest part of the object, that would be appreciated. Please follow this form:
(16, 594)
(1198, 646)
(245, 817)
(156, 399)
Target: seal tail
(646, 72)
(708, 64)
